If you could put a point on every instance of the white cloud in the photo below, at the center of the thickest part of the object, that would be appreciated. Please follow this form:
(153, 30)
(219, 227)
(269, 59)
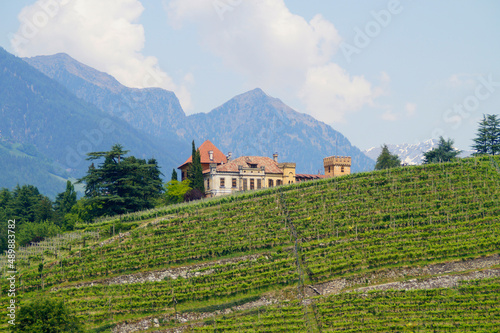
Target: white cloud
(277, 50)
(389, 116)
(105, 35)
(411, 109)
(329, 92)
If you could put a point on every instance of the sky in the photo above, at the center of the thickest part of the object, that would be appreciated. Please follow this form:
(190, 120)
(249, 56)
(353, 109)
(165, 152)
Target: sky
(389, 71)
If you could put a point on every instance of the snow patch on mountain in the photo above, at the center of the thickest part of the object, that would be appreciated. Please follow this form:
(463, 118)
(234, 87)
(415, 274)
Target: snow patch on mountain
(410, 154)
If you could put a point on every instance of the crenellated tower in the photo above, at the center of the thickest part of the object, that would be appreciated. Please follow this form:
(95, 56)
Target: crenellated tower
(337, 166)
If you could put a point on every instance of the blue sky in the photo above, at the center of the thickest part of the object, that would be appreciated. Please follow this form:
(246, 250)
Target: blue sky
(378, 71)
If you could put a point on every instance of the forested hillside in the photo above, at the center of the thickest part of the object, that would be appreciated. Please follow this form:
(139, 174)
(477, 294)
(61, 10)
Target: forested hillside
(293, 258)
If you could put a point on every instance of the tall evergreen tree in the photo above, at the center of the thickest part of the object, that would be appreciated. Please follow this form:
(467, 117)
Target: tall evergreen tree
(174, 175)
(195, 171)
(443, 153)
(121, 184)
(481, 141)
(65, 200)
(387, 160)
(488, 136)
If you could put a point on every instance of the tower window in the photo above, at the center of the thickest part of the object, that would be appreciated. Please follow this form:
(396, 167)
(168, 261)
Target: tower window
(342, 169)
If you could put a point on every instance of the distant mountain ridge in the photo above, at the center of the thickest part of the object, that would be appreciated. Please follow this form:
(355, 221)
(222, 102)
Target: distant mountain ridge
(410, 154)
(154, 111)
(252, 123)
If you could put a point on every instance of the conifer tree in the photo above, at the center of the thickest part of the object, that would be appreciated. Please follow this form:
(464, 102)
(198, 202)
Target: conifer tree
(488, 136)
(65, 200)
(387, 160)
(174, 175)
(121, 184)
(443, 153)
(195, 171)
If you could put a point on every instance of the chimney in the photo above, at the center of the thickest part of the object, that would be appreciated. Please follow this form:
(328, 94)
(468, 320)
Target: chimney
(229, 155)
(211, 155)
(275, 157)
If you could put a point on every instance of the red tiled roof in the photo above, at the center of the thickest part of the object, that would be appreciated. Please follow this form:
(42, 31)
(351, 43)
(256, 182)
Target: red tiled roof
(270, 165)
(309, 177)
(205, 147)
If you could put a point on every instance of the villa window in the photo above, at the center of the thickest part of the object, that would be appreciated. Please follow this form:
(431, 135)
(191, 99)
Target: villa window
(278, 182)
(252, 183)
(271, 183)
(244, 185)
(259, 183)
(208, 183)
(234, 183)
(222, 182)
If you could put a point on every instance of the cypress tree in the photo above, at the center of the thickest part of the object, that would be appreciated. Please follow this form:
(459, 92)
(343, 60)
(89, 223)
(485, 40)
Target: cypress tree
(174, 175)
(195, 171)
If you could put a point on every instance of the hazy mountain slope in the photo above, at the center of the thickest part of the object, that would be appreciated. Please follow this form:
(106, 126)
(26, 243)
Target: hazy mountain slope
(250, 124)
(254, 123)
(37, 110)
(23, 164)
(151, 110)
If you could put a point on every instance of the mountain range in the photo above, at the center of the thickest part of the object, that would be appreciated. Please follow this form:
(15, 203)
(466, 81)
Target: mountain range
(65, 109)
(410, 154)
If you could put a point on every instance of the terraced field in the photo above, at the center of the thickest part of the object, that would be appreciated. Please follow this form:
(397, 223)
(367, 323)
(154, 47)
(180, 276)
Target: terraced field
(286, 259)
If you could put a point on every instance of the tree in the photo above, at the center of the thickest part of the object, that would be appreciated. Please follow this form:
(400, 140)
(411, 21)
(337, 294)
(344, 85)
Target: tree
(193, 194)
(174, 175)
(46, 316)
(175, 191)
(65, 200)
(443, 153)
(35, 232)
(195, 171)
(387, 160)
(121, 184)
(488, 136)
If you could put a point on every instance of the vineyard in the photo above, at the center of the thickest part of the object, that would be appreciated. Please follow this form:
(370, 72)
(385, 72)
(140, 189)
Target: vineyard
(218, 257)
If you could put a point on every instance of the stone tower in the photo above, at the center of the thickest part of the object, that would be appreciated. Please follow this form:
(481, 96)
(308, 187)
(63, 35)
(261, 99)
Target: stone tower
(337, 166)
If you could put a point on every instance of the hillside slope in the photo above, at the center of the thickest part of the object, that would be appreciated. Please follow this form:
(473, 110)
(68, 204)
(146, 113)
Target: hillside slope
(288, 259)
